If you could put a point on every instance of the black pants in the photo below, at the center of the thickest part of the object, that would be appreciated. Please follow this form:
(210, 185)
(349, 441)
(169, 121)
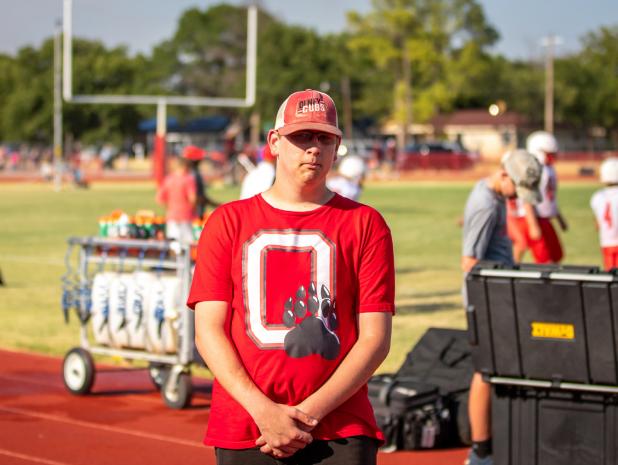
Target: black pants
(357, 450)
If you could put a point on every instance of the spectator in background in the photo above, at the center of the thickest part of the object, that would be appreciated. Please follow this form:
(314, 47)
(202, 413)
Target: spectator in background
(4, 154)
(349, 181)
(377, 155)
(229, 149)
(390, 154)
(604, 204)
(14, 159)
(75, 165)
(178, 194)
(261, 177)
(46, 168)
(194, 155)
(107, 156)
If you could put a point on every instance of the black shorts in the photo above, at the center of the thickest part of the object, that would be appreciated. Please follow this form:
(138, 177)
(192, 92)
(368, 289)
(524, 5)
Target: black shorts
(356, 450)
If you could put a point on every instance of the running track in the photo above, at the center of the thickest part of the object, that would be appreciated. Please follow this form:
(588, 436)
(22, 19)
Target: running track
(122, 422)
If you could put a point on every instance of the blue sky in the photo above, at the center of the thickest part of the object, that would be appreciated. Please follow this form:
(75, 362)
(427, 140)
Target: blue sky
(142, 23)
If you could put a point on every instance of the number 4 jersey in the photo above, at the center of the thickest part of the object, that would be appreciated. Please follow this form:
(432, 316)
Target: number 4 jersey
(604, 203)
(296, 282)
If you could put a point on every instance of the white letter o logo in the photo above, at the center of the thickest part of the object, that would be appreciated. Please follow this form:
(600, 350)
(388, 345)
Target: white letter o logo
(254, 287)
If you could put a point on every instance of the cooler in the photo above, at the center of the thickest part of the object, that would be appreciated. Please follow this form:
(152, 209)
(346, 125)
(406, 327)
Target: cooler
(553, 427)
(545, 338)
(549, 323)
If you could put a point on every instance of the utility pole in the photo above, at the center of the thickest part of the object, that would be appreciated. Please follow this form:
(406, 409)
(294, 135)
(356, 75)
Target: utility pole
(58, 162)
(549, 43)
(407, 79)
(347, 106)
(403, 99)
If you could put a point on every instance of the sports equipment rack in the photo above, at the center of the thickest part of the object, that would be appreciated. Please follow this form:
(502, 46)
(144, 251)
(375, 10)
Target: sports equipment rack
(121, 316)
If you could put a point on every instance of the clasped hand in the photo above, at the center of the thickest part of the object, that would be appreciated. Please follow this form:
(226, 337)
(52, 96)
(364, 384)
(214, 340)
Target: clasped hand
(285, 430)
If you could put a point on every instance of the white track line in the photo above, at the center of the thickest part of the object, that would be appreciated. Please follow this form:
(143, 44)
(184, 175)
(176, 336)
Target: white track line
(100, 427)
(30, 458)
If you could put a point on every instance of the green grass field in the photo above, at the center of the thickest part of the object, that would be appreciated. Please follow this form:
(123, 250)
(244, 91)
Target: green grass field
(35, 222)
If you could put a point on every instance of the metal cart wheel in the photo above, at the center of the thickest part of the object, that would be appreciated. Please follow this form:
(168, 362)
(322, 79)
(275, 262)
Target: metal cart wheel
(159, 372)
(78, 371)
(177, 391)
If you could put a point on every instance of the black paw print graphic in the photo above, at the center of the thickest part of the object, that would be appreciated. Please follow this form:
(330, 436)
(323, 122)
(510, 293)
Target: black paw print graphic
(314, 321)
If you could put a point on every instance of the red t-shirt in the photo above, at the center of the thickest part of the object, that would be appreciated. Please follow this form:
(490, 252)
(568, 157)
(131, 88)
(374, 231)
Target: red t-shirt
(296, 282)
(176, 193)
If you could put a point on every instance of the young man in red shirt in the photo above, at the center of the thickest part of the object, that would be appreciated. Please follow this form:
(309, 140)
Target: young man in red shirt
(293, 294)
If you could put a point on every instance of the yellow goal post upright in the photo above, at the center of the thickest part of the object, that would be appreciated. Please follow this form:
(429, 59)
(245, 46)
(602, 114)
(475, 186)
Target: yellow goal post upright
(161, 101)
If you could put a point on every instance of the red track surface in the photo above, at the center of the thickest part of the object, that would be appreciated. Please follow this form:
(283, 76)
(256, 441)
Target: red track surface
(123, 421)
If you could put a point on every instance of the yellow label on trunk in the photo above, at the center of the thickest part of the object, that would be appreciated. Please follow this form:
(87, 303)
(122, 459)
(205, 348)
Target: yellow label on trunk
(552, 330)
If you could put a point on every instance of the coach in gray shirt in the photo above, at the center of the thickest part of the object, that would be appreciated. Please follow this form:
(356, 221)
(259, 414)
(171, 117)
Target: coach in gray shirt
(485, 238)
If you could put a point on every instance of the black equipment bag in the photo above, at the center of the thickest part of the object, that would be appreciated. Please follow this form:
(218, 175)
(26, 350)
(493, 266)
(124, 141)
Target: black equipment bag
(404, 410)
(424, 405)
(442, 357)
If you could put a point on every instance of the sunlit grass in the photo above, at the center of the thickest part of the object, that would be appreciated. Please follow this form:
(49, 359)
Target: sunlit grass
(36, 221)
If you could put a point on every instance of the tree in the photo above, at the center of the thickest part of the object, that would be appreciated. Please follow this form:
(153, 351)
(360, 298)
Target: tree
(7, 86)
(206, 56)
(588, 82)
(292, 58)
(414, 40)
(520, 85)
(98, 70)
(405, 61)
(27, 95)
(26, 106)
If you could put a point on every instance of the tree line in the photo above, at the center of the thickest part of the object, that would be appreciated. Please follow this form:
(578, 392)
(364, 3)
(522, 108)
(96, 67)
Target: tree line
(404, 61)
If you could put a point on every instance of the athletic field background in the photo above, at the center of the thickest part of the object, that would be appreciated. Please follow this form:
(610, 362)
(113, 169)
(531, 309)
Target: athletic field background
(35, 222)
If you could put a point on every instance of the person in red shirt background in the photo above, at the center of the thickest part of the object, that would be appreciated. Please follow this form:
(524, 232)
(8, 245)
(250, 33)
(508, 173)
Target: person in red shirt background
(178, 194)
(202, 201)
(293, 292)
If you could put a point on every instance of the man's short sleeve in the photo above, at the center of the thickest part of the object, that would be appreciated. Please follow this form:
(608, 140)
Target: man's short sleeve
(212, 278)
(478, 232)
(376, 275)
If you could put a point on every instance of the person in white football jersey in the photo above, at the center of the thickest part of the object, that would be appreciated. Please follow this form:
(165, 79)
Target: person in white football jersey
(261, 177)
(349, 180)
(604, 203)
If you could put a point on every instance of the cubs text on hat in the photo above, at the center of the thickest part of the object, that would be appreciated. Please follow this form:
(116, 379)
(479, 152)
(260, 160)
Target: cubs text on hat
(307, 110)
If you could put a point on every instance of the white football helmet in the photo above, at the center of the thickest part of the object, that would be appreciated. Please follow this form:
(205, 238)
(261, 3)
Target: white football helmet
(352, 167)
(540, 143)
(609, 171)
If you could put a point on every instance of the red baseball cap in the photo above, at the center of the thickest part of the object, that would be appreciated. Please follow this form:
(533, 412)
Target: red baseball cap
(193, 153)
(307, 109)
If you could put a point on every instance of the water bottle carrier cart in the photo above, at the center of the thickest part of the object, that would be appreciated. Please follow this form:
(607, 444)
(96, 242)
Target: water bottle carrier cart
(166, 344)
